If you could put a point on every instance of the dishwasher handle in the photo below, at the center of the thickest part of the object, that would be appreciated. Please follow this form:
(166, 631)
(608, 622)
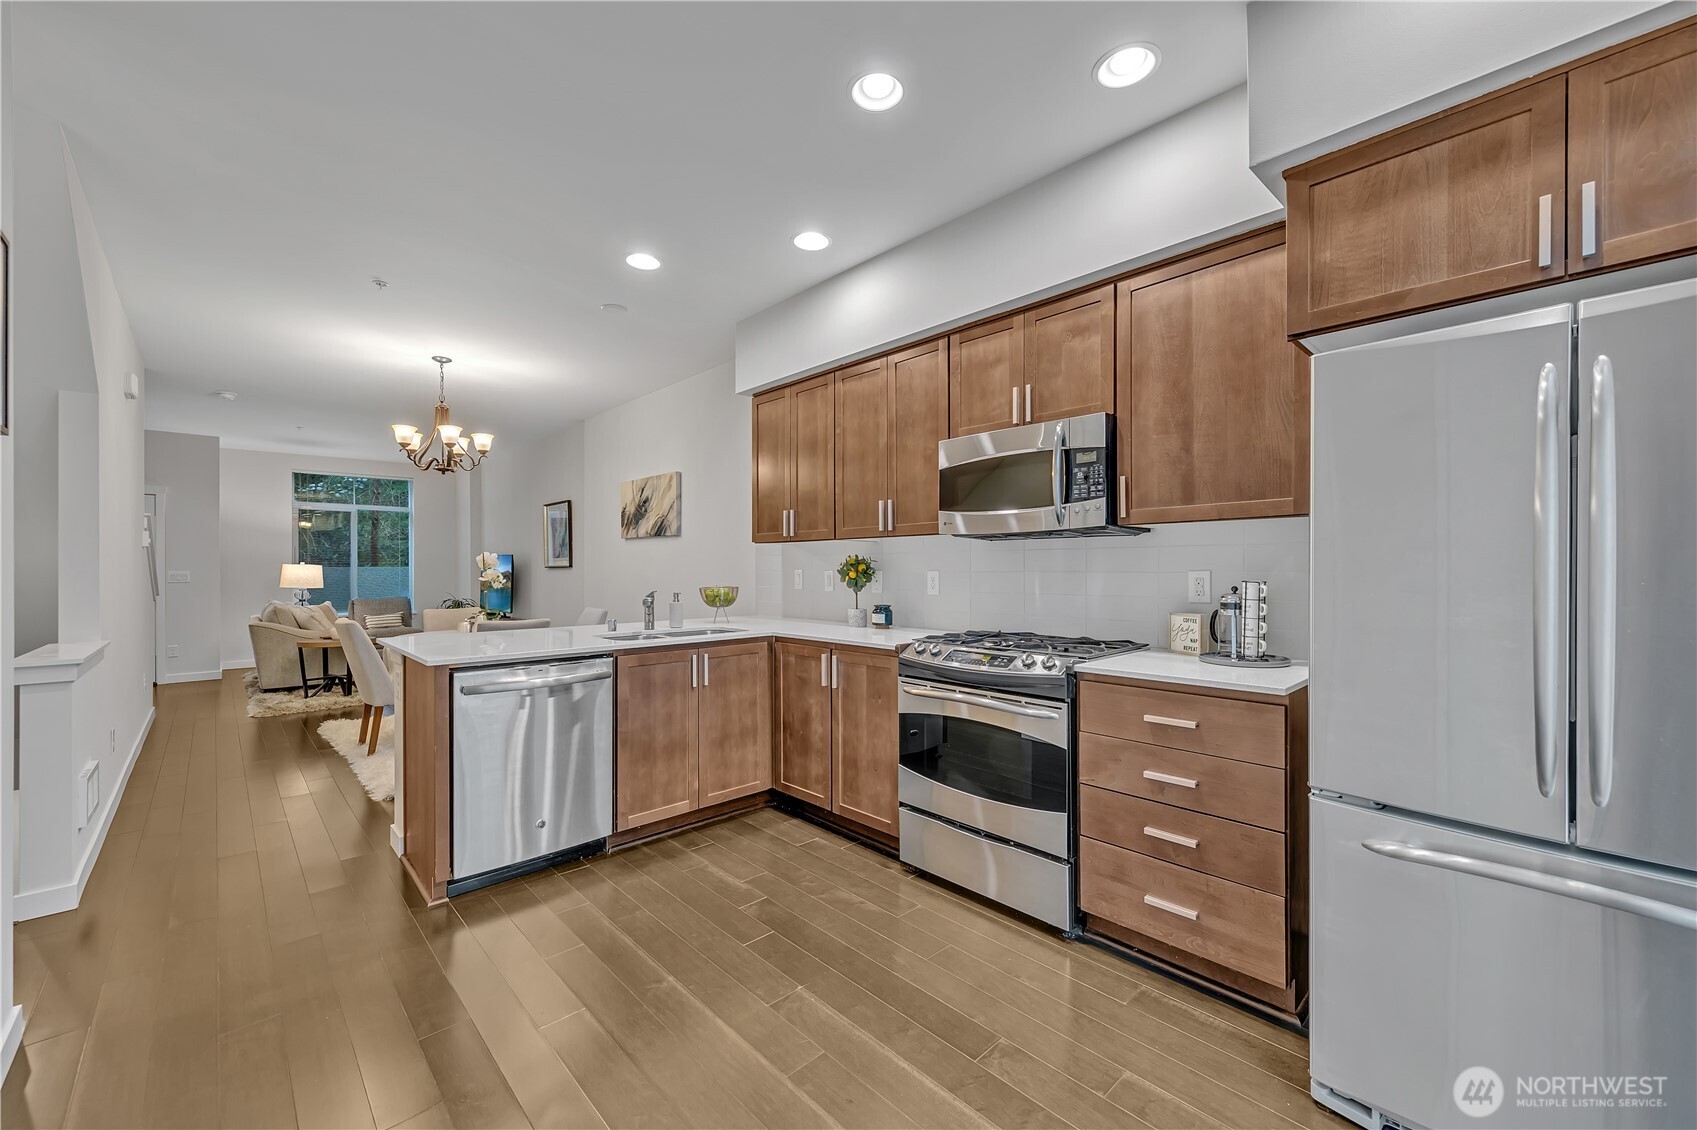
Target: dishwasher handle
(548, 683)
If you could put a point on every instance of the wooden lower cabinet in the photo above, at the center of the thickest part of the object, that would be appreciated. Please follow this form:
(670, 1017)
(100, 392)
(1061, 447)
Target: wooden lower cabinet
(838, 738)
(802, 755)
(1193, 842)
(865, 738)
(694, 729)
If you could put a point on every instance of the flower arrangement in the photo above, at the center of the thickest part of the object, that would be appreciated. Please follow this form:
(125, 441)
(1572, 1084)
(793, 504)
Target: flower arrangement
(489, 578)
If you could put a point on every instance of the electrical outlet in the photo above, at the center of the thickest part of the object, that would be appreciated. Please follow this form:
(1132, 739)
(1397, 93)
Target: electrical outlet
(798, 580)
(877, 584)
(177, 577)
(1201, 586)
(933, 583)
(830, 579)
(173, 652)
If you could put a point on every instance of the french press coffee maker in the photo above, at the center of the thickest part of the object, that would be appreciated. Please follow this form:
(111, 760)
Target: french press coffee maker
(1242, 640)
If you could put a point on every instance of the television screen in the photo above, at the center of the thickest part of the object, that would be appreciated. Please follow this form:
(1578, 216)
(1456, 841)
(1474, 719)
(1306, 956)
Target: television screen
(501, 599)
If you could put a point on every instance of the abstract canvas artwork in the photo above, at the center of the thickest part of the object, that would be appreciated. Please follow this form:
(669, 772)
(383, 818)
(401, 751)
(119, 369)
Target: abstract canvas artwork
(652, 507)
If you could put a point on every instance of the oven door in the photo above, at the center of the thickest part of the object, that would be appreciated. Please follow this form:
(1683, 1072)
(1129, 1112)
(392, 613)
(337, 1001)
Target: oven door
(995, 762)
(1009, 481)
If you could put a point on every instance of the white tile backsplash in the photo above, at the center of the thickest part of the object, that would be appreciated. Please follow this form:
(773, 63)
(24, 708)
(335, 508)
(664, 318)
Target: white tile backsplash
(1109, 589)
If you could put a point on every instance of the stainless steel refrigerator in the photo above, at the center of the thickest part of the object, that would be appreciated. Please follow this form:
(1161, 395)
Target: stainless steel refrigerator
(1504, 733)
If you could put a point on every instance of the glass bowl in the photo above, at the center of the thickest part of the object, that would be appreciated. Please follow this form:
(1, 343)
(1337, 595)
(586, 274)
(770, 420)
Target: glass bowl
(719, 598)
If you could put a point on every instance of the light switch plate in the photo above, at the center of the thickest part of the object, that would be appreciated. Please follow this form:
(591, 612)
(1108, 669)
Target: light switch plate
(1201, 586)
(933, 583)
(177, 577)
(830, 579)
(173, 652)
(798, 580)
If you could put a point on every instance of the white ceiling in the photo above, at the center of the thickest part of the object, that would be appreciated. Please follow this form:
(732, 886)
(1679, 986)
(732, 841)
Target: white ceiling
(251, 166)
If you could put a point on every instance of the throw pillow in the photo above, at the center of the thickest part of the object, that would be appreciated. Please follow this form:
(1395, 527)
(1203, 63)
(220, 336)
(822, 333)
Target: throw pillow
(384, 620)
(321, 618)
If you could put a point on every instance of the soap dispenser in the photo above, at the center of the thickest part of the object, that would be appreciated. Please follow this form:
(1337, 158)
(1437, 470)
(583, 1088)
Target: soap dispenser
(677, 616)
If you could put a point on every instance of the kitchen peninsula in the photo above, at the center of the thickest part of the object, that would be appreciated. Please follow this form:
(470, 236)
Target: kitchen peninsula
(711, 718)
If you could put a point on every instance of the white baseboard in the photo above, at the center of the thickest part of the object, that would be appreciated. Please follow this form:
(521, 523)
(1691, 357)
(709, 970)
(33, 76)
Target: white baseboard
(397, 842)
(57, 900)
(11, 1036)
(238, 664)
(189, 677)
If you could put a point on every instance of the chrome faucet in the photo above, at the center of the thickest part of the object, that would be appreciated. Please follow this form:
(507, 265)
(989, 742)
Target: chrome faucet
(648, 613)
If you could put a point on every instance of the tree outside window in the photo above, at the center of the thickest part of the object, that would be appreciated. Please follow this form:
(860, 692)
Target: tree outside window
(360, 530)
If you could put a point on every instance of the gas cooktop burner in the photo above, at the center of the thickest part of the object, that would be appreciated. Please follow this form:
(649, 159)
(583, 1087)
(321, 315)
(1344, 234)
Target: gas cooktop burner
(1029, 655)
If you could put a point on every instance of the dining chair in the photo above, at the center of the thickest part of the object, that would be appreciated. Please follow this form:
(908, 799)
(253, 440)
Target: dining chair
(371, 676)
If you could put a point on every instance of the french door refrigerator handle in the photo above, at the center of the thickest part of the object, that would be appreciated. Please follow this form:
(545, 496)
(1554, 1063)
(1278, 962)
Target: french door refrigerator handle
(1549, 606)
(1606, 897)
(1602, 551)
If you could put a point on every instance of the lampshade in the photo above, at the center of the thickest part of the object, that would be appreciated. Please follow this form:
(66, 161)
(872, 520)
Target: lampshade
(301, 576)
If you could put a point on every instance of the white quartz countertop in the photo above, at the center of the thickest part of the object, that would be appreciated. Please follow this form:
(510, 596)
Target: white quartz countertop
(1176, 667)
(526, 645)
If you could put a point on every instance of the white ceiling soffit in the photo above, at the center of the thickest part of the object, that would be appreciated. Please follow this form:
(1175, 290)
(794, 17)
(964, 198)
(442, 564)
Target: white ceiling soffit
(252, 166)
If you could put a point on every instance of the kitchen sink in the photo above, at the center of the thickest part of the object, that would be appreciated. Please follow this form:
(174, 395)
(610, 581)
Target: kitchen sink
(671, 634)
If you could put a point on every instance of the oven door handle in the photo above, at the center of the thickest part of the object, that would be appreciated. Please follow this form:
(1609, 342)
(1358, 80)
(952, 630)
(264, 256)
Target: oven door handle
(979, 700)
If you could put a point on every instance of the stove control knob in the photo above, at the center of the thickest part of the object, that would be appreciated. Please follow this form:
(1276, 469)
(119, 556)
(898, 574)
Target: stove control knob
(936, 649)
(1028, 660)
(1050, 663)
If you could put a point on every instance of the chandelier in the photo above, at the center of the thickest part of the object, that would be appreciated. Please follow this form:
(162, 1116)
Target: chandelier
(457, 451)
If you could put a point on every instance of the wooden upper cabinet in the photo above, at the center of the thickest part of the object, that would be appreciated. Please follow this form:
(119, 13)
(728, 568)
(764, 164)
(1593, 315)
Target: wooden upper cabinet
(814, 495)
(1632, 138)
(734, 714)
(919, 420)
(1447, 209)
(865, 738)
(865, 411)
(802, 750)
(657, 769)
(1213, 399)
(774, 464)
(987, 376)
(1069, 357)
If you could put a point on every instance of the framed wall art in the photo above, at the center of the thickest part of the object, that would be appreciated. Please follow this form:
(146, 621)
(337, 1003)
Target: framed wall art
(557, 534)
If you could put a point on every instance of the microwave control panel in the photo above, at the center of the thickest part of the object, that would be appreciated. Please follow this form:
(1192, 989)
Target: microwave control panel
(1087, 474)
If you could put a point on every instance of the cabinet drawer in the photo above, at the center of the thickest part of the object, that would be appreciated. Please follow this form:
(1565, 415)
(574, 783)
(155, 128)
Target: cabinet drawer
(1224, 727)
(1222, 922)
(1244, 854)
(1249, 794)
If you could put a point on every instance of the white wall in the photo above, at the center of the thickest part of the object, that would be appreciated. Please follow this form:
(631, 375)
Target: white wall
(698, 426)
(1326, 74)
(1110, 588)
(11, 1017)
(509, 491)
(1175, 184)
(257, 531)
(184, 471)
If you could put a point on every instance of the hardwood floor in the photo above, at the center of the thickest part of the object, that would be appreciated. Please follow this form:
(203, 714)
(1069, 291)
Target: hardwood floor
(248, 954)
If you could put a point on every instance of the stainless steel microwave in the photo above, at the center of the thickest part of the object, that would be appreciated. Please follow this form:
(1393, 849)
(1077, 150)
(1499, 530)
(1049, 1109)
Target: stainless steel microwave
(1048, 479)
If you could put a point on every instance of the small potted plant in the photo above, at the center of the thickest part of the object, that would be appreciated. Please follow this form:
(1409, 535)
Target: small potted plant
(857, 572)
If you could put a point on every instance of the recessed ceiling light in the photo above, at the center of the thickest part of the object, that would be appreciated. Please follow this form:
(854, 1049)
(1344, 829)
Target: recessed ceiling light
(876, 91)
(812, 241)
(380, 284)
(224, 394)
(1126, 65)
(642, 261)
(613, 308)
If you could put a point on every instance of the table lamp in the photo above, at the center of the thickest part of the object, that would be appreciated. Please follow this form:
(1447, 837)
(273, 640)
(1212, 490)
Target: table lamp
(300, 576)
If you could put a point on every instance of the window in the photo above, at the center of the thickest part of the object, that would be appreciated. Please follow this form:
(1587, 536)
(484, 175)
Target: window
(360, 530)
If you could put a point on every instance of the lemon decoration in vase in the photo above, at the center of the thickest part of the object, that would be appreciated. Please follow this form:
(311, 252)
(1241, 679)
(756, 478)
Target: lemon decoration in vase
(857, 572)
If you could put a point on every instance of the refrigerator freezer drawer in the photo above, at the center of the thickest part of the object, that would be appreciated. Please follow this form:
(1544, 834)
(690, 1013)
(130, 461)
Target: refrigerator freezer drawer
(1225, 923)
(1423, 971)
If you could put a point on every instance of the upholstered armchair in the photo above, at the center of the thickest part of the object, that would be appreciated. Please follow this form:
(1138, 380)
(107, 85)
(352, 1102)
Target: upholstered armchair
(361, 608)
(274, 633)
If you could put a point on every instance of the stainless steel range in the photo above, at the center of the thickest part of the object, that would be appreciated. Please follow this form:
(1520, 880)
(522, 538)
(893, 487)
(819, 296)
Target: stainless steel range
(986, 776)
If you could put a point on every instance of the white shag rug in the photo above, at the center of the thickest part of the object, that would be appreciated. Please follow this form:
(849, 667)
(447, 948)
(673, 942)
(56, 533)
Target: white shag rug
(276, 704)
(377, 772)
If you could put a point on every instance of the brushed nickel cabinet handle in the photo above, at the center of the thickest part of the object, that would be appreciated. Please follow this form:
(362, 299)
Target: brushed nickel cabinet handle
(692, 658)
(1169, 779)
(1171, 907)
(1163, 720)
(1544, 252)
(1015, 391)
(1170, 837)
(1122, 496)
(1588, 219)
(706, 669)
(824, 660)
(833, 670)
(1028, 404)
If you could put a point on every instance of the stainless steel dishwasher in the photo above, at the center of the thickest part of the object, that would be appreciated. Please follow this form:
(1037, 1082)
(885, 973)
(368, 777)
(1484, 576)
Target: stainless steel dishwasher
(532, 767)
